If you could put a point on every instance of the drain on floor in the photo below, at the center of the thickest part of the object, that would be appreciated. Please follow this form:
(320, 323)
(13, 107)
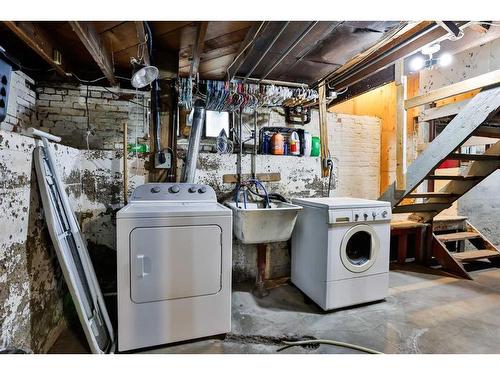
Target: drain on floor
(270, 340)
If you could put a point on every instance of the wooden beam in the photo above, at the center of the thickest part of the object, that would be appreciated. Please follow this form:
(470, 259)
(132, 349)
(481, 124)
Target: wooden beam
(39, 41)
(265, 177)
(444, 111)
(323, 127)
(400, 79)
(481, 81)
(97, 48)
(143, 39)
(198, 47)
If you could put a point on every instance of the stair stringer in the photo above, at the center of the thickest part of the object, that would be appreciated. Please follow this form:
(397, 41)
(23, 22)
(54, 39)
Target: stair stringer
(477, 168)
(479, 109)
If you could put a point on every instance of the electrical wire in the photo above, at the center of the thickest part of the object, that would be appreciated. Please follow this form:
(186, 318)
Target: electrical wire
(105, 88)
(330, 162)
(289, 344)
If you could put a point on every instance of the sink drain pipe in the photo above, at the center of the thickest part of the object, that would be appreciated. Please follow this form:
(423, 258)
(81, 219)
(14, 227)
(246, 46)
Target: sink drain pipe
(189, 171)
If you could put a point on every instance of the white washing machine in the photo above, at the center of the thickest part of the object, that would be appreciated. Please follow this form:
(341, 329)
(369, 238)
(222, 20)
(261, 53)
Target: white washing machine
(174, 246)
(340, 250)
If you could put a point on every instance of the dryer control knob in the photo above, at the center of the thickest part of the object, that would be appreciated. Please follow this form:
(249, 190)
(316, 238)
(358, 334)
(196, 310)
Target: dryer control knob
(374, 214)
(193, 189)
(155, 189)
(202, 189)
(365, 216)
(384, 214)
(174, 189)
(356, 217)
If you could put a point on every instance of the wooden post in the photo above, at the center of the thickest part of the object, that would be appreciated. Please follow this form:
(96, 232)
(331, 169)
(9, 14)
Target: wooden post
(125, 163)
(323, 128)
(400, 126)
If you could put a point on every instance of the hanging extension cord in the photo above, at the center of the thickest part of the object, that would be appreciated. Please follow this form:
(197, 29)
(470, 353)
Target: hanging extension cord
(312, 343)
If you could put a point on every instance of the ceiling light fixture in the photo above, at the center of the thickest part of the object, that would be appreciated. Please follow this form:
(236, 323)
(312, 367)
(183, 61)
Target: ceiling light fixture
(445, 59)
(143, 75)
(419, 61)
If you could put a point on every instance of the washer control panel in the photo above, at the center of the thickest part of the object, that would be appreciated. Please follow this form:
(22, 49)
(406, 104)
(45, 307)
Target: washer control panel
(173, 192)
(371, 214)
(359, 215)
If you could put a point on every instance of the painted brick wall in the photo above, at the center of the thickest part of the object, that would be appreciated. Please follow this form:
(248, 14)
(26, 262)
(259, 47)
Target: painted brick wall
(355, 142)
(62, 110)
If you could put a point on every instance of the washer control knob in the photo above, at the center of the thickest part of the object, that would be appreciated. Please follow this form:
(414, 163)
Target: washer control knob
(365, 216)
(374, 215)
(174, 189)
(384, 214)
(202, 189)
(356, 217)
(155, 189)
(193, 189)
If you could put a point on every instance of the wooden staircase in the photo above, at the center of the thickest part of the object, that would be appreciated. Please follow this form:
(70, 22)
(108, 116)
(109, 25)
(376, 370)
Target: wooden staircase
(424, 206)
(450, 249)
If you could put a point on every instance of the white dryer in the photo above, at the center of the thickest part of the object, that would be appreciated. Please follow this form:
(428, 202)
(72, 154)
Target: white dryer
(174, 246)
(340, 250)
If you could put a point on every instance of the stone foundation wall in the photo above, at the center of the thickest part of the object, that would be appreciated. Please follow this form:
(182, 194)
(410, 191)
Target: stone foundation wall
(32, 289)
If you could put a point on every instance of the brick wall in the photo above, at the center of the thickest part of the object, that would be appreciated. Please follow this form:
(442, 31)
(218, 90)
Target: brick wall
(355, 142)
(62, 110)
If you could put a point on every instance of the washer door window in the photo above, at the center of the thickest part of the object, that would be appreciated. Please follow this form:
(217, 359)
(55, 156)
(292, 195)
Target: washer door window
(359, 248)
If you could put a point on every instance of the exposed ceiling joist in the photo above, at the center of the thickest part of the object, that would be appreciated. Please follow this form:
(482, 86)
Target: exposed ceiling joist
(40, 42)
(97, 48)
(383, 57)
(143, 40)
(198, 45)
(242, 53)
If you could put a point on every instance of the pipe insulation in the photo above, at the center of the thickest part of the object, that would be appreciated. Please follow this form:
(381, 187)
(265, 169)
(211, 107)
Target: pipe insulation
(189, 171)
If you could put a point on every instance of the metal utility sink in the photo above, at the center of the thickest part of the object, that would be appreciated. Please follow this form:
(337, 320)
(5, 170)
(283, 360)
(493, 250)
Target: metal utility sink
(256, 224)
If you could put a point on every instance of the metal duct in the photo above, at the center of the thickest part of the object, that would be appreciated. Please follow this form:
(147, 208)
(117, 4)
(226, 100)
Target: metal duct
(189, 170)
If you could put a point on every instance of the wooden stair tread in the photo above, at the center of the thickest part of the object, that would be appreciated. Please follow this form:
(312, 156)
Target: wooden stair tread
(449, 218)
(478, 157)
(458, 236)
(420, 207)
(432, 194)
(454, 178)
(467, 256)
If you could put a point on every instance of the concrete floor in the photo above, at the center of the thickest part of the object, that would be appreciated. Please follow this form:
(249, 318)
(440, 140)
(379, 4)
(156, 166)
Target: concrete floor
(424, 313)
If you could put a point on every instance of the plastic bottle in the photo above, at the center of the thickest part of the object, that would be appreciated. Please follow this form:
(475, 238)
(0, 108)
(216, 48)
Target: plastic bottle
(277, 144)
(307, 144)
(265, 144)
(315, 146)
(294, 144)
